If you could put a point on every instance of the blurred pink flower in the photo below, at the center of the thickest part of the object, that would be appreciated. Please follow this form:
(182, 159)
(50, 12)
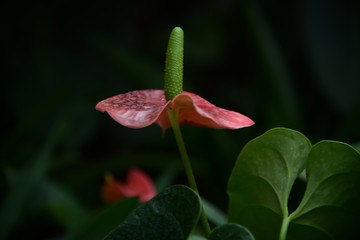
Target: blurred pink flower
(142, 108)
(137, 184)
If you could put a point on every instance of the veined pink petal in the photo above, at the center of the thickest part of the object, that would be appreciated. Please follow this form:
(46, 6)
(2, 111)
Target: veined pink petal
(139, 109)
(135, 109)
(139, 184)
(197, 111)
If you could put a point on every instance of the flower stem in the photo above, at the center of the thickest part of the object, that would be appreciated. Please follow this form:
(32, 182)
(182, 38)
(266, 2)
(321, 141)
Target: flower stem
(173, 116)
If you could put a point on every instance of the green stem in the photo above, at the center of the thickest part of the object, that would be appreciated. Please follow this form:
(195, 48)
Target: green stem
(284, 228)
(173, 116)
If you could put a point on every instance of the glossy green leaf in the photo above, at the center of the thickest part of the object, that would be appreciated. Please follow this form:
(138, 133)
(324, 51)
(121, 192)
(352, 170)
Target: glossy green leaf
(261, 182)
(171, 214)
(262, 178)
(332, 194)
(196, 237)
(231, 231)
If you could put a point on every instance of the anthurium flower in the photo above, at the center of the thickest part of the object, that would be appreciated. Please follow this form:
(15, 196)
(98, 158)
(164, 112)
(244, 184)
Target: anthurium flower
(137, 183)
(142, 108)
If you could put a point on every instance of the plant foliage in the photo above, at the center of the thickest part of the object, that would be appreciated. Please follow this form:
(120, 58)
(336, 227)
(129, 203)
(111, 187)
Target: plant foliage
(263, 177)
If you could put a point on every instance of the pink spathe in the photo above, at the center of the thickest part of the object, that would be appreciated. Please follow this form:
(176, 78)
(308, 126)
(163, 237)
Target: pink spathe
(137, 184)
(138, 109)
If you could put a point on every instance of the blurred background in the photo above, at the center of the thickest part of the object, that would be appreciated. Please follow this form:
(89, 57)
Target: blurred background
(292, 64)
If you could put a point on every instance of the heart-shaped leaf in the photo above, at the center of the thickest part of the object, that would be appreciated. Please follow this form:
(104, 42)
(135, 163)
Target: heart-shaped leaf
(231, 231)
(262, 178)
(331, 200)
(171, 215)
(261, 181)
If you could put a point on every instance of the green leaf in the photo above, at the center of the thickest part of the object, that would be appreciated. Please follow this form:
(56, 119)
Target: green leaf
(196, 237)
(171, 214)
(231, 231)
(331, 200)
(262, 178)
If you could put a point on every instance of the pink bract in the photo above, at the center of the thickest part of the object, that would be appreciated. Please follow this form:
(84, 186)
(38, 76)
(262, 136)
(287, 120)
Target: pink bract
(137, 184)
(138, 109)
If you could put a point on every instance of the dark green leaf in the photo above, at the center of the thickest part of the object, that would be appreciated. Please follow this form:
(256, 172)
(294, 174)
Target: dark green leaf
(262, 178)
(332, 192)
(171, 214)
(260, 185)
(230, 232)
(196, 237)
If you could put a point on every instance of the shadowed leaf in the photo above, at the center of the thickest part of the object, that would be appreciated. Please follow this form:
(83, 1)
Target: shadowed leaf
(332, 191)
(231, 232)
(171, 214)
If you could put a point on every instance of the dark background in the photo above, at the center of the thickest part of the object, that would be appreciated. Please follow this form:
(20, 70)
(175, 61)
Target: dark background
(292, 64)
